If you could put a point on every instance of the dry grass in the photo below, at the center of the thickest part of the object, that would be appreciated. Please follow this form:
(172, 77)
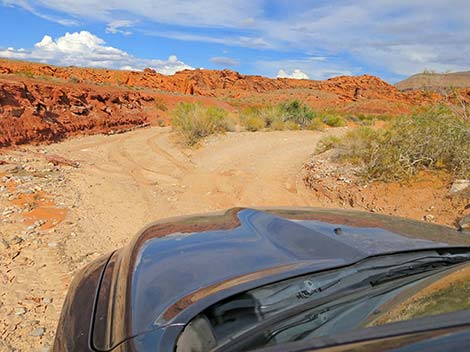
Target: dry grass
(196, 121)
(433, 139)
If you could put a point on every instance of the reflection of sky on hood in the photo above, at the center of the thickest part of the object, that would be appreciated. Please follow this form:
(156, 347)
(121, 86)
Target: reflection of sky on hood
(171, 267)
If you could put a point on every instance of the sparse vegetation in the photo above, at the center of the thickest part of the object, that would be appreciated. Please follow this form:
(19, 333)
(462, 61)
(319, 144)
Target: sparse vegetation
(296, 112)
(368, 119)
(293, 115)
(333, 120)
(160, 104)
(196, 121)
(432, 139)
(327, 143)
(73, 79)
(254, 123)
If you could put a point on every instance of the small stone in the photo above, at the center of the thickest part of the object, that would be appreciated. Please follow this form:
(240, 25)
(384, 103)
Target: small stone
(20, 311)
(464, 223)
(17, 240)
(459, 186)
(30, 228)
(428, 218)
(47, 300)
(5, 243)
(52, 244)
(37, 332)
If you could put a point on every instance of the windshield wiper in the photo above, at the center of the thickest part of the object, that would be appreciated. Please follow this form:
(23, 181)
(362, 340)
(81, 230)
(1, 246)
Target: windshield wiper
(414, 268)
(401, 274)
(337, 299)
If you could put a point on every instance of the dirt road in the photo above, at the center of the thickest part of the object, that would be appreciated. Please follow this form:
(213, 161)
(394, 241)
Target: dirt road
(124, 182)
(130, 180)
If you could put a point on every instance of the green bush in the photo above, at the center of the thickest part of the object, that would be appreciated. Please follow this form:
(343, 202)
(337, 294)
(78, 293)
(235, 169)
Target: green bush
(432, 139)
(195, 121)
(293, 115)
(297, 112)
(333, 120)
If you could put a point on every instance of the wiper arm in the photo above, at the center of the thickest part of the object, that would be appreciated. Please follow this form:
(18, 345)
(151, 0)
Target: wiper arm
(337, 299)
(415, 268)
(309, 289)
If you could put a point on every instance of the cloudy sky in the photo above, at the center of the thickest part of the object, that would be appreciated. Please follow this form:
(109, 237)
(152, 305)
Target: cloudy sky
(317, 39)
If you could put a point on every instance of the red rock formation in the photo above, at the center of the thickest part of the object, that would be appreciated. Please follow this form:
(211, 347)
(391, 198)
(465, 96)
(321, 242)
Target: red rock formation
(39, 112)
(42, 103)
(206, 82)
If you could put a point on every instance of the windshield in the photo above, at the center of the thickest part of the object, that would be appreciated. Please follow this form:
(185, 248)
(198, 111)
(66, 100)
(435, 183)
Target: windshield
(373, 292)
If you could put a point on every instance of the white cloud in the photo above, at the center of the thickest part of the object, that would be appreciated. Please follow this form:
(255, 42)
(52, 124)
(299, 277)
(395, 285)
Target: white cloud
(224, 61)
(254, 42)
(398, 36)
(200, 13)
(85, 49)
(119, 26)
(296, 74)
(314, 67)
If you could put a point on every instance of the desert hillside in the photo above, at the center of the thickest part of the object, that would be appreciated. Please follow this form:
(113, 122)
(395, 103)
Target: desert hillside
(45, 103)
(435, 81)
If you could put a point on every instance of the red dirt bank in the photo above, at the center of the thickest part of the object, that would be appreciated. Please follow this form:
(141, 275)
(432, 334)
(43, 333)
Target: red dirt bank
(44, 103)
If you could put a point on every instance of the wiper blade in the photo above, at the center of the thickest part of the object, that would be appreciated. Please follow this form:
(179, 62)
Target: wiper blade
(415, 268)
(239, 341)
(312, 288)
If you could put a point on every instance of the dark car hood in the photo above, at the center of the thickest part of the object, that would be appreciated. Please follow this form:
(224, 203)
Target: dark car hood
(193, 261)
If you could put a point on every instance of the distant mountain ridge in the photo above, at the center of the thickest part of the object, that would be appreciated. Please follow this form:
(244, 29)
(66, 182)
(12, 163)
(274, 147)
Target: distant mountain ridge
(435, 81)
(202, 82)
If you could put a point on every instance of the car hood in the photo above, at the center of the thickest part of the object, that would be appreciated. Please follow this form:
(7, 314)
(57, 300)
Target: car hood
(182, 265)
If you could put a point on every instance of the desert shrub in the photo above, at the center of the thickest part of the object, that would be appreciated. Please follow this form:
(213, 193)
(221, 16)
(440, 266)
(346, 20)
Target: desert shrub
(255, 119)
(359, 145)
(369, 119)
(316, 124)
(327, 143)
(272, 115)
(293, 115)
(292, 125)
(297, 112)
(254, 123)
(278, 125)
(362, 119)
(195, 121)
(333, 120)
(432, 139)
(251, 119)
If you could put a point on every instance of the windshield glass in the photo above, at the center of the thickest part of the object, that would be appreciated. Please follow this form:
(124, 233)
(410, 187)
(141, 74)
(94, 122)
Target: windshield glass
(374, 292)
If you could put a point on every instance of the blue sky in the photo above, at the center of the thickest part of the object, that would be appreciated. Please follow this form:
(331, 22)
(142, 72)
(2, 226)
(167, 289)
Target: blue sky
(317, 39)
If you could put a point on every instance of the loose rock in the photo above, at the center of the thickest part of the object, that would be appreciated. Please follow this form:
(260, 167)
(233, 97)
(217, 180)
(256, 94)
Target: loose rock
(459, 186)
(38, 332)
(464, 223)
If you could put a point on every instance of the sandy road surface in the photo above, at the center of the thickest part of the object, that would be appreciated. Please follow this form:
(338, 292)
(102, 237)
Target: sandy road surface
(130, 180)
(124, 182)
